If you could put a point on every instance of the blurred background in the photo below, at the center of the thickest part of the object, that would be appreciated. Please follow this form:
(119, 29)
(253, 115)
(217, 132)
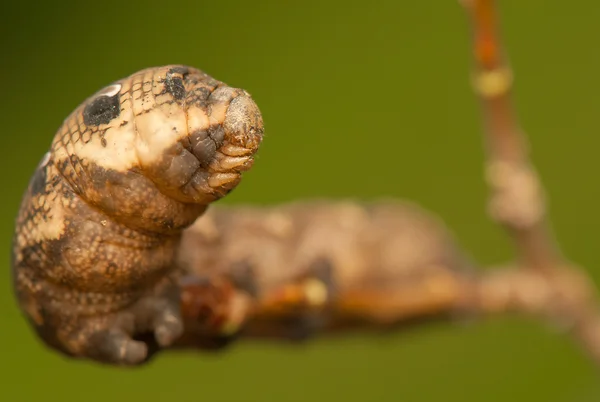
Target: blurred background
(360, 100)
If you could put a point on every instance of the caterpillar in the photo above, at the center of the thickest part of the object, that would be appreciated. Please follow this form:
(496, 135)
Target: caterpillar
(95, 240)
(295, 270)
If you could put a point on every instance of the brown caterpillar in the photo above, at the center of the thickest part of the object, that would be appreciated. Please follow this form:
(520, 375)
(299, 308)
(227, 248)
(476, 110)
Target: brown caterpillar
(311, 267)
(99, 225)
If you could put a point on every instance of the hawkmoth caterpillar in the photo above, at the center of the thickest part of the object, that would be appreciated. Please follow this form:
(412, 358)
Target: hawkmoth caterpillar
(99, 225)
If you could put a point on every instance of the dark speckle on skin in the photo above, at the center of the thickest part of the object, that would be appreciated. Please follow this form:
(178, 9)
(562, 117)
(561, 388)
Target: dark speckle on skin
(44, 253)
(101, 110)
(33, 254)
(168, 224)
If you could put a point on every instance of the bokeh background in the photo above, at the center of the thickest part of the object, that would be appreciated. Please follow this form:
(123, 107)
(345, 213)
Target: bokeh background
(360, 100)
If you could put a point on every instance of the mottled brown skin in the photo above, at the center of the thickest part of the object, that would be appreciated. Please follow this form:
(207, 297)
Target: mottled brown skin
(315, 266)
(101, 220)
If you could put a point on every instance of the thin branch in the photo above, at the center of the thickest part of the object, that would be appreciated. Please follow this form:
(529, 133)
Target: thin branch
(517, 200)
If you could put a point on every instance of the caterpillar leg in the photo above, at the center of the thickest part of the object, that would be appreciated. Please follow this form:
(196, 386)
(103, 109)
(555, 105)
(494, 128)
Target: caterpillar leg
(160, 316)
(298, 309)
(218, 309)
(214, 310)
(129, 336)
(112, 342)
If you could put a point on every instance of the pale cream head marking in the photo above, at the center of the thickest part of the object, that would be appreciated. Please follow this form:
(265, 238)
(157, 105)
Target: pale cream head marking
(110, 90)
(44, 160)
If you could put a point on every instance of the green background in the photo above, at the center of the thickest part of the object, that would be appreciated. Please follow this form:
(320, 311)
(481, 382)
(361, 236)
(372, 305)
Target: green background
(360, 99)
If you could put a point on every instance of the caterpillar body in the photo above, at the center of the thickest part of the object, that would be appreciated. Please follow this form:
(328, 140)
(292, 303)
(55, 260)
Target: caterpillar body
(315, 266)
(93, 255)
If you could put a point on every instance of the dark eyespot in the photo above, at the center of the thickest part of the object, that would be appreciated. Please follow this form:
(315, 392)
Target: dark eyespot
(174, 86)
(104, 108)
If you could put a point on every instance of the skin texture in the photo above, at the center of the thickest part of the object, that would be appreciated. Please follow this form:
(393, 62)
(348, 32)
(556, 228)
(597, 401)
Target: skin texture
(101, 220)
(293, 270)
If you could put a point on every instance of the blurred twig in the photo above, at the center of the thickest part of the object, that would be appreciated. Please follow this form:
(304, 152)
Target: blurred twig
(517, 200)
(546, 281)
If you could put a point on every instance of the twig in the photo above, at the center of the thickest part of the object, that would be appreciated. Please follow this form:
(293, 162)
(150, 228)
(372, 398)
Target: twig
(517, 200)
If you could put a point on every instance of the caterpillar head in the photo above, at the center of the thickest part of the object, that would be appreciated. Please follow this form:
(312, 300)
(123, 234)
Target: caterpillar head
(157, 147)
(195, 135)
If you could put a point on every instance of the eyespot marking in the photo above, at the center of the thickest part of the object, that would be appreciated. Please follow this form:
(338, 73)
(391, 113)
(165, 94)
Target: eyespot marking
(174, 86)
(104, 108)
